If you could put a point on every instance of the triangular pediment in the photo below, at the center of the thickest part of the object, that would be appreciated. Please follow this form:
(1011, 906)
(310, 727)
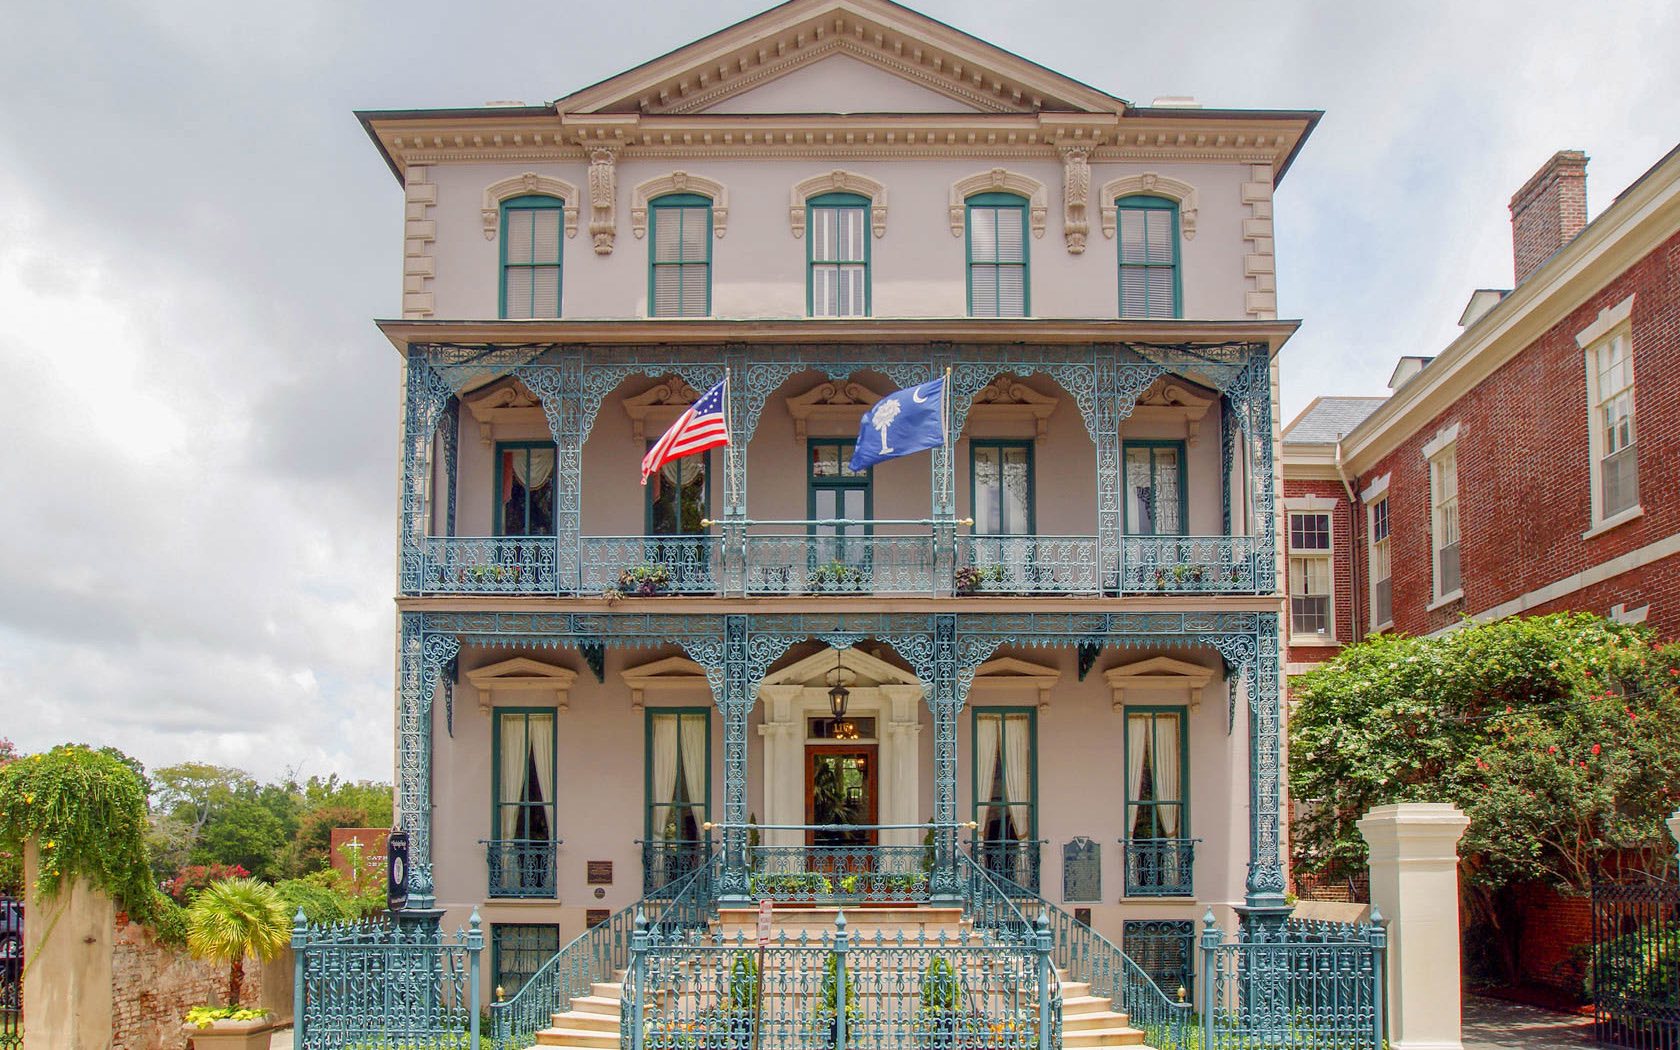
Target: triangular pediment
(522, 680)
(948, 67)
(1151, 677)
(1011, 672)
(676, 674)
(857, 670)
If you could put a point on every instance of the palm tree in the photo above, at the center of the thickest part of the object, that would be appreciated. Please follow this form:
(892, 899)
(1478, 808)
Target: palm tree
(234, 920)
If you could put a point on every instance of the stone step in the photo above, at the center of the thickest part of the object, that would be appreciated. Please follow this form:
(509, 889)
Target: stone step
(1095, 1019)
(1075, 989)
(596, 1004)
(583, 1021)
(578, 1039)
(608, 990)
(1085, 1004)
(1120, 1036)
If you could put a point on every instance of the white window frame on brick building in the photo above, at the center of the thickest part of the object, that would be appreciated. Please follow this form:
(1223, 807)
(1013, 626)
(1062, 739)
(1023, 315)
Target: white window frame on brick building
(1312, 576)
(1612, 439)
(1446, 541)
(1379, 552)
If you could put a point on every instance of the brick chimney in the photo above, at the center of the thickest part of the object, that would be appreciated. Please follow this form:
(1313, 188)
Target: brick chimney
(1548, 211)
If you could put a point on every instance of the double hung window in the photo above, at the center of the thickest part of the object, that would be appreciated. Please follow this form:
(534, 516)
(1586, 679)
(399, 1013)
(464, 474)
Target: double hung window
(1001, 498)
(680, 255)
(836, 492)
(998, 279)
(1158, 854)
(1155, 491)
(1382, 566)
(1443, 512)
(530, 285)
(679, 772)
(522, 851)
(1309, 576)
(1149, 272)
(1006, 791)
(1615, 463)
(525, 486)
(837, 240)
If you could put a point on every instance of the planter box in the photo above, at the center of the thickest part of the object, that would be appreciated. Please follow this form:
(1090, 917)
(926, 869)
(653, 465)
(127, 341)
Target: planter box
(231, 1035)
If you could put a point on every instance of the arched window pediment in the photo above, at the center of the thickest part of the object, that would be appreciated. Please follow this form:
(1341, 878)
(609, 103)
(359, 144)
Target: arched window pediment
(839, 181)
(679, 182)
(528, 184)
(1148, 184)
(1000, 180)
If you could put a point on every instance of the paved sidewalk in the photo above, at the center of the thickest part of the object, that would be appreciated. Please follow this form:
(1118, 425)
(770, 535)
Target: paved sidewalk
(1494, 1024)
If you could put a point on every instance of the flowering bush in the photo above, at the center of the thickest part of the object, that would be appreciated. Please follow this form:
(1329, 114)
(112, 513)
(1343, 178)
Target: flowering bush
(195, 877)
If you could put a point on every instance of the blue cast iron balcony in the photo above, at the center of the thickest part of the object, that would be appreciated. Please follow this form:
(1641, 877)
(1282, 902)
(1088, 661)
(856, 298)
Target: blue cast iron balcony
(1159, 867)
(671, 860)
(821, 563)
(520, 867)
(841, 874)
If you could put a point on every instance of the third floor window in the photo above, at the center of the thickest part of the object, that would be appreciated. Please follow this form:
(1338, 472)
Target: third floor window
(998, 272)
(1148, 235)
(530, 285)
(680, 256)
(837, 242)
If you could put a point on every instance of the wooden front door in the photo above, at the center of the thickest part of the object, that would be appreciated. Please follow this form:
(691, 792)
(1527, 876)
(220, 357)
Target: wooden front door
(840, 789)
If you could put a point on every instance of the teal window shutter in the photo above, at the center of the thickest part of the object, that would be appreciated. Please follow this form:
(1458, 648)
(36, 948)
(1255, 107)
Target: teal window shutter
(1149, 265)
(837, 255)
(530, 284)
(999, 279)
(680, 256)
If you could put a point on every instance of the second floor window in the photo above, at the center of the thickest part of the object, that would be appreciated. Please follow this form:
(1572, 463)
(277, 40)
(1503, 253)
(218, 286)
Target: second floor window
(837, 240)
(998, 280)
(525, 486)
(1615, 468)
(1443, 508)
(678, 499)
(1157, 776)
(1005, 792)
(680, 255)
(1001, 487)
(836, 491)
(1149, 276)
(679, 764)
(1382, 566)
(530, 284)
(1155, 491)
(1309, 576)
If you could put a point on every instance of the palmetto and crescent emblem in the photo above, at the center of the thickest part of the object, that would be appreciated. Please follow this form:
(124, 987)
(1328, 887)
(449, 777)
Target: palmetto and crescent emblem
(882, 418)
(916, 396)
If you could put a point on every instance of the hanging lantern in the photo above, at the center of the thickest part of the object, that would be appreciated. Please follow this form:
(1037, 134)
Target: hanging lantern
(839, 694)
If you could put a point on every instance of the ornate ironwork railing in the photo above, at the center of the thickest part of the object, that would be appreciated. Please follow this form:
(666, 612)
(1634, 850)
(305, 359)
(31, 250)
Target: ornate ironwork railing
(590, 958)
(1160, 867)
(385, 984)
(520, 867)
(840, 874)
(1188, 565)
(849, 564)
(648, 565)
(670, 860)
(839, 990)
(1296, 988)
(493, 565)
(1011, 565)
(1017, 862)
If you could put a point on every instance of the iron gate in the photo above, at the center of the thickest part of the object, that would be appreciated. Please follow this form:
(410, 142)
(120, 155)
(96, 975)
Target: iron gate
(11, 973)
(1636, 964)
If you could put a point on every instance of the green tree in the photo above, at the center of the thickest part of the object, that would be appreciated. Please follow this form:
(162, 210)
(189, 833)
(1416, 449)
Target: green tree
(234, 920)
(1558, 735)
(194, 791)
(246, 831)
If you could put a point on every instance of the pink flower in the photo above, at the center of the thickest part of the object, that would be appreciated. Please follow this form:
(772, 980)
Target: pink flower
(1552, 750)
(1595, 751)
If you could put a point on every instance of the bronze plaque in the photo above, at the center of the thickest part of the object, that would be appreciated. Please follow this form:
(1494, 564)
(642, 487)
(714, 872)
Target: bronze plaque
(1082, 915)
(593, 917)
(600, 873)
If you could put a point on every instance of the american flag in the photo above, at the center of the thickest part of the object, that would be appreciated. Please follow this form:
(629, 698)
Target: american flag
(699, 428)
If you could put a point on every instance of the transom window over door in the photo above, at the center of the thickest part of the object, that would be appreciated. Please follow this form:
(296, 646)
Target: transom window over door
(998, 279)
(1615, 464)
(836, 491)
(1309, 575)
(525, 486)
(837, 240)
(1155, 491)
(1006, 791)
(530, 285)
(1149, 272)
(679, 787)
(680, 254)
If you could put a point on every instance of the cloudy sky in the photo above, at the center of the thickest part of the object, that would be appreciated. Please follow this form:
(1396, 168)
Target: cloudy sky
(197, 456)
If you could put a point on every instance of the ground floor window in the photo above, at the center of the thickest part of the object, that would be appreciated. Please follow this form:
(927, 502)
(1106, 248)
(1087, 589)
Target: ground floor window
(1165, 949)
(1006, 791)
(517, 949)
(679, 788)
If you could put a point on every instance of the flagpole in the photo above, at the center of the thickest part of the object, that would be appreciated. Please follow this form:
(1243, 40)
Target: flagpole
(733, 484)
(945, 428)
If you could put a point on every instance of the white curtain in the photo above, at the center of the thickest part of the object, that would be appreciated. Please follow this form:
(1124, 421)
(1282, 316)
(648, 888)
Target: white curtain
(533, 470)
(1166, 772)
(1017, 772)
(1137, 757)
(695, 760)
(664, 767)
(986, 754)
(542, 757)
(516, 752)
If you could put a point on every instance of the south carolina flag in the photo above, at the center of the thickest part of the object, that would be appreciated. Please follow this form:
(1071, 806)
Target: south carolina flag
(905, 421)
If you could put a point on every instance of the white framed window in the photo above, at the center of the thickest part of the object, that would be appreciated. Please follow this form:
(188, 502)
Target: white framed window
(1611, 446)
(1443, 519)
(1381, 565)
(1311, 596)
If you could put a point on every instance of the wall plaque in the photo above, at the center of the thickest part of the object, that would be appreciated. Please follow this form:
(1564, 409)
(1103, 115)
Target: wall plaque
(1082, 870)
(600, 873)
(593, 917)
(1082, 915)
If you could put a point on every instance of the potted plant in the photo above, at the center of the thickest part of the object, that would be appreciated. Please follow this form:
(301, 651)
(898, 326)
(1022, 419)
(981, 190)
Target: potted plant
(836, 576)
(1176, 576)
(644, 581)
(483, 575)
(229, 922)
(972, 578)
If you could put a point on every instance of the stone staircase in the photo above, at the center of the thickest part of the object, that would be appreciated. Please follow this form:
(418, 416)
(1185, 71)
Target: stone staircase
(592, 1023)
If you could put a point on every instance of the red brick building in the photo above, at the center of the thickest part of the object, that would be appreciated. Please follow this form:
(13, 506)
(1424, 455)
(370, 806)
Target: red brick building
(1533, 464)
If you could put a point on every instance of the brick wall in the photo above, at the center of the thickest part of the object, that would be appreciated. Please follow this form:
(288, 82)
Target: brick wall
(1524, 496)
(153, 987)
(1556, 938)
(1342, 538)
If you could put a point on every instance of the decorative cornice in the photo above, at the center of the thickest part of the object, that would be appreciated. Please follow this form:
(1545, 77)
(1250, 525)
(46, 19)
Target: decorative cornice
(1156, 674)
(839, 181)
(529, 183)
(836, 408)
(659, 405)
(522, 679)
(679, 182)
(506, 403)
(1000, 180)
(1156, 185)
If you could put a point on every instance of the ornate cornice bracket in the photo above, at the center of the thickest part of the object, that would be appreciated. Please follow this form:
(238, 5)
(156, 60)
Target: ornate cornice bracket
(839, 181)
(1076, 193)
(603, 197)
(528, 183)
(1000, 180)
(1155, 185)
(679, 182)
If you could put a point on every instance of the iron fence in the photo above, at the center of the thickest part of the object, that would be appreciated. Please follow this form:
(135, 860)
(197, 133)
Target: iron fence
(1018, 862)
(648, 565)
(11, 973)
(852, 563)
(1635, 976)
(1027, 565)
(1294, 988)
(665, 861)
(380, 984)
